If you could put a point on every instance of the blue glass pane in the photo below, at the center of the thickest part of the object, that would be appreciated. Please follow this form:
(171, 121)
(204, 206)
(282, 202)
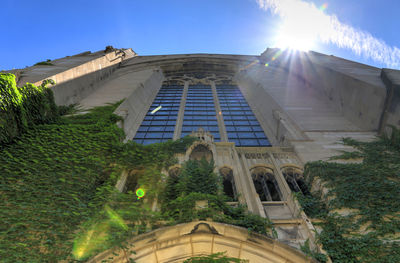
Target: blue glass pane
(232, 135)
(148, 141)
(236, 141)
(239, 117)
(156, 128)
(264, 142)
(140, 135)
(260, 135)
(245, 135)
(138, 140)
(143, 129)
(160, 125)
(244, 128)
(249, 142)
(200, 111)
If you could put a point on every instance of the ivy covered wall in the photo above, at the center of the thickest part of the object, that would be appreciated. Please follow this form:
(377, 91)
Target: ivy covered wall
(359, 202)
(23, 107)
(58, 177)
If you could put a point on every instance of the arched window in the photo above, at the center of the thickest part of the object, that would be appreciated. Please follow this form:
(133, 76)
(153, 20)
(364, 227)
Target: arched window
(131, 183)
(266, 186)
(295, 179)
(201, 151)
(228, 182)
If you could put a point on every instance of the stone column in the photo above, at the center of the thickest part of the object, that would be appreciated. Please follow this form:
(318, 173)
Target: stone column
(221, 125)
(179, 120)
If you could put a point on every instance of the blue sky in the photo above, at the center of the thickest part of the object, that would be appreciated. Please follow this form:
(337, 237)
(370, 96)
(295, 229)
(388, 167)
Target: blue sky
(34, 31)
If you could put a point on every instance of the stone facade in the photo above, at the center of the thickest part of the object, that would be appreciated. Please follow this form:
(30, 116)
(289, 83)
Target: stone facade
(304, 102)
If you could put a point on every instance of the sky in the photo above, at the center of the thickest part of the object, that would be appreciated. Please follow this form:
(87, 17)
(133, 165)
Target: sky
(366, 31)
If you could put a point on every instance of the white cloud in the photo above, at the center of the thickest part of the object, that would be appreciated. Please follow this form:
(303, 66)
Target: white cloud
(310, 21)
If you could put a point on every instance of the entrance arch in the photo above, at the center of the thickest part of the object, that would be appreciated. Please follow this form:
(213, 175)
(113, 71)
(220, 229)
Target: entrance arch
(177, 243)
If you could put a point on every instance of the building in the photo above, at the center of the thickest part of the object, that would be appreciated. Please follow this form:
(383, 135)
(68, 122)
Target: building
(260, 118)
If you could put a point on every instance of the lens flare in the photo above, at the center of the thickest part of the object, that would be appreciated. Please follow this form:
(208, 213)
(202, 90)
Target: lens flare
(323, 7)
(97, 235)
(115, 218)
(140, 193)
(304, 25)
(85, 245)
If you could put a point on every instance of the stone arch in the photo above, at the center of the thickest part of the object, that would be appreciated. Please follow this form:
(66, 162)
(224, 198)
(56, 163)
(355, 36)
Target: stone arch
(294, 177)
(201, 150)
(177, 243)
(228, 182)
(266, 166)
(265, 183)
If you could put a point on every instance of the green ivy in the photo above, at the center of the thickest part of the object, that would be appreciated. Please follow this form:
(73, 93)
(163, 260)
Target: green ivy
(44, 63)
(370, 191)
(311, 253)
(23, 107)
(312, 205)
(198, 182)
(125, 215)
(57, 176)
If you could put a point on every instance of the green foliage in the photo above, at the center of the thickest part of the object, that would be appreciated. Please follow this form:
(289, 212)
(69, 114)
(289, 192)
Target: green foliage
(21, 108)
(198, 182)
(370, 190)
(68, 109)
(215, 258)
(44, 63)
(197, 177)
(309, 252)
(54, 177)
(57, 176)
(312, 205)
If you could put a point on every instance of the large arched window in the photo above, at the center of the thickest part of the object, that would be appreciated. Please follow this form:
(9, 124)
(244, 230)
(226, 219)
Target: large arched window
(295, 179)
(228, 182)
(266, 186)
(201, 151)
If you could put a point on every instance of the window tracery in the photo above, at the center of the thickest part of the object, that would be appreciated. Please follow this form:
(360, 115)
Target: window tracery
(295, 179)
(266, 185)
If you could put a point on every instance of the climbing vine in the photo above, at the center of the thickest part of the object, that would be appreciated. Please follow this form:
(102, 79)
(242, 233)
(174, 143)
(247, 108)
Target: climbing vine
(56, 176)
(363, 201)
(126, 215)
(198, 182)
(23, 107)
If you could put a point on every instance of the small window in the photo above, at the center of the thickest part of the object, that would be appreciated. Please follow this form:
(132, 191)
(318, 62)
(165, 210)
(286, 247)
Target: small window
(295, 179)
(265, 184)
(228, 183)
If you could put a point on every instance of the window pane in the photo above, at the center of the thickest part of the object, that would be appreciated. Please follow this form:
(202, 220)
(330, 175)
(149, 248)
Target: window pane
(239, 117)
(200, 111)
(164, 119)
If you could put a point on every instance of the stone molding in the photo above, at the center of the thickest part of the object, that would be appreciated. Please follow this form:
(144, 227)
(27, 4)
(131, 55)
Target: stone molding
(180, 242)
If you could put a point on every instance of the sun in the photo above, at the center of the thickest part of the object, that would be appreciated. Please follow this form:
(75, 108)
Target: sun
(294, 35)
